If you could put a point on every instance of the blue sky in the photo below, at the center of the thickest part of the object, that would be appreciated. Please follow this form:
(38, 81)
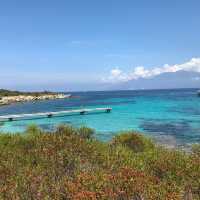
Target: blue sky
(74, 45)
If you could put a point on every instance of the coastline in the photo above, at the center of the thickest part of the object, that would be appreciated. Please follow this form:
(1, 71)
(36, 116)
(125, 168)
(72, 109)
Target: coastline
(172, 116)
(7, 100)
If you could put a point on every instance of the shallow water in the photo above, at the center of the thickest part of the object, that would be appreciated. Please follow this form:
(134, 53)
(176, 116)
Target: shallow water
(171, 116)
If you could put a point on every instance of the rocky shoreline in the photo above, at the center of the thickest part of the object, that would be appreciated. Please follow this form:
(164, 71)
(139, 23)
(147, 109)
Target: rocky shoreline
(6, 100)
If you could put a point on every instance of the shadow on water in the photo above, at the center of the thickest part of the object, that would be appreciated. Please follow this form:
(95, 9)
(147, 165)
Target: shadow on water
(186, 110)
(181, 130)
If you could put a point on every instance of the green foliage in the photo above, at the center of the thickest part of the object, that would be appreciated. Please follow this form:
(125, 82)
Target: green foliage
(196, 149)
(86, 132)
(33, 130)
(4, 93)
(69, 163)
(65, 130)
(134, 141)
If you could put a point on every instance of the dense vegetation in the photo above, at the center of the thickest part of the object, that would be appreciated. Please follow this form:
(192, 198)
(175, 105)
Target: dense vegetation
(5, 93)
(70, 164)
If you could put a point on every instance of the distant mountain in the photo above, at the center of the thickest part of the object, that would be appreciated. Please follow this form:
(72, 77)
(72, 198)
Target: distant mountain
(179, 79)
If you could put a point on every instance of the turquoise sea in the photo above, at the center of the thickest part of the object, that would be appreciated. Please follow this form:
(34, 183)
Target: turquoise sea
(171, 117)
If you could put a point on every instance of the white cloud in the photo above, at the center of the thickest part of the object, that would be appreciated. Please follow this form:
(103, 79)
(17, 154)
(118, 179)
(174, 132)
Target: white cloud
(117, 75)
(115, 72)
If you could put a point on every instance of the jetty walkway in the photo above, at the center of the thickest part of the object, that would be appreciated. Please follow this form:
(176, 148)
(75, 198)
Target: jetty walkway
(51, 114)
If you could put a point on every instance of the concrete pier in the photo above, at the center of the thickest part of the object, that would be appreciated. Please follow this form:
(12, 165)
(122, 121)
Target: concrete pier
(52, 114)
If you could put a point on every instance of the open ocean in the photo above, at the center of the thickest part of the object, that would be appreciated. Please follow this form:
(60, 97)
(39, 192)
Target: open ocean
(172, 117)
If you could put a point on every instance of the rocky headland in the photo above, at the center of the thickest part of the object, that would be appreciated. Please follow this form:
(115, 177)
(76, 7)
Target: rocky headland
(8, 97)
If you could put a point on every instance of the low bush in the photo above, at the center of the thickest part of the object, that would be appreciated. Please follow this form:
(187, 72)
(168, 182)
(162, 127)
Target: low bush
(196, 149)
(134, 141)
(69, 163)
(86, 132)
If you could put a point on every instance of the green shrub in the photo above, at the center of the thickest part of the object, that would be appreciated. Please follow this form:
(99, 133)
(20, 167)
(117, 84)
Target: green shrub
(66, 130)
(68, 164)
(86, 132)
(134, 141)
(196, 149)
(5, 139)
(33, 130)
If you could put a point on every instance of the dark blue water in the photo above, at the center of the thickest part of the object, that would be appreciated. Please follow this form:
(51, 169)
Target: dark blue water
(170, 116)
